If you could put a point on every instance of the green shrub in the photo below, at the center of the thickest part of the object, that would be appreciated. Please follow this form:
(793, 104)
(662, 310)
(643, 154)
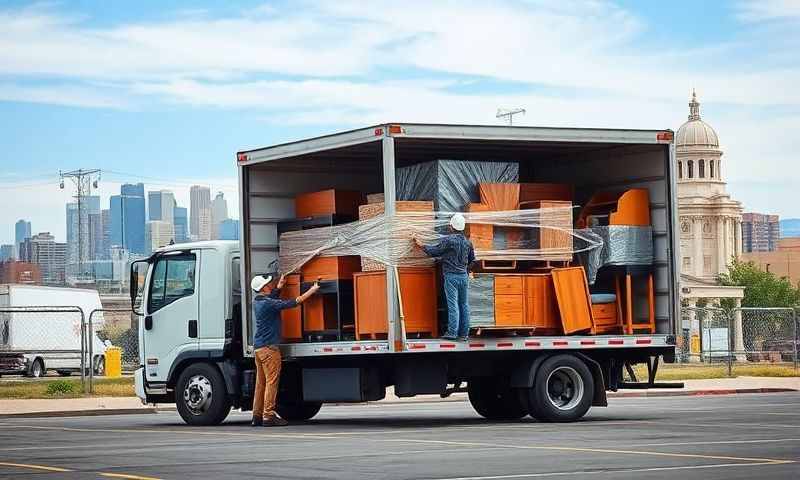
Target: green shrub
(59, 388)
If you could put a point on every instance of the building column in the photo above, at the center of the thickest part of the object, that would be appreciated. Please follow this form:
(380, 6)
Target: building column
(694, 331)
(697, 246)
(739, 241)
(721, 245)
(738, 332)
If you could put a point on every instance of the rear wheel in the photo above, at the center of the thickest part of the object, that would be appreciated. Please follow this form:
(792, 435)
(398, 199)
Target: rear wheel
(562, 390)
(200, 395)
(37, 369)
(493, 398)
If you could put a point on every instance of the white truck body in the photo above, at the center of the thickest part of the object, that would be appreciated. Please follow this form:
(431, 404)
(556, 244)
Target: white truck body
(51, 338)
(196, 331)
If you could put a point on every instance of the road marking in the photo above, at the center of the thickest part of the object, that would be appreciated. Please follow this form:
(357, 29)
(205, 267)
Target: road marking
(720, 442)
(591, 450)
(124, 475)
(34, 467)
(782, 413)
(609, 472)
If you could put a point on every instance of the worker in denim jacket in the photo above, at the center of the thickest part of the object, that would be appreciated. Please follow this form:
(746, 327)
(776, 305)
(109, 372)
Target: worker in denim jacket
(456, 254)
(267, 307)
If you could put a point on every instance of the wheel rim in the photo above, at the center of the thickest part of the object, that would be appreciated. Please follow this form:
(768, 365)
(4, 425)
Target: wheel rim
(564, 388)
(37, 369)
(197, 394)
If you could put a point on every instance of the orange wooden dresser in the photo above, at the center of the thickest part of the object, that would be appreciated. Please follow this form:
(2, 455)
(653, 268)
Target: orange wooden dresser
(328, 202)
(526, 300)
(331, 268)
(418, 291)
(291, 319)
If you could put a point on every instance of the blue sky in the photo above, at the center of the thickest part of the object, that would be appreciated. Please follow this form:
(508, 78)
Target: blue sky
(167, 92)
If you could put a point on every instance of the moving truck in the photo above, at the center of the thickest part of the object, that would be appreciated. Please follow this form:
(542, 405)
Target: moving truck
(35, 341)
(197, 327)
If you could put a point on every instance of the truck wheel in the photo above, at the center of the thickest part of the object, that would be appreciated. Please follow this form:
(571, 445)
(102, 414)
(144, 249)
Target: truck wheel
(562, 390)
(494, 399)
(37, 369)
(298, 411)
(200, 395)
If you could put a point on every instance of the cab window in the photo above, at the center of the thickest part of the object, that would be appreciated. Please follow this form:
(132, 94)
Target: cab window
(173, 278)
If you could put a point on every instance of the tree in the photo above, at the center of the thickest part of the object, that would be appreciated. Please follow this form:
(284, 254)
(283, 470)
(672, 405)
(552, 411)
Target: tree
(762, 289)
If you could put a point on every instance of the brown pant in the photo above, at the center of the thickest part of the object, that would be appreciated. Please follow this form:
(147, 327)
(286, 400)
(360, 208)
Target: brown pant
(268, 372)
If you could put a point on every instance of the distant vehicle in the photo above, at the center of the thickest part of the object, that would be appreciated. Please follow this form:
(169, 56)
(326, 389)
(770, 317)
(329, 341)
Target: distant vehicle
(33, 343)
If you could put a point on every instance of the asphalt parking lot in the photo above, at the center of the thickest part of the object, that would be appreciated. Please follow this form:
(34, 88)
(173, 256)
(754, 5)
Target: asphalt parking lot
(730, 437)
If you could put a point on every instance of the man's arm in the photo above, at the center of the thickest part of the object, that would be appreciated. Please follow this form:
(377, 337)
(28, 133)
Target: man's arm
(435, 250)
(276, 292)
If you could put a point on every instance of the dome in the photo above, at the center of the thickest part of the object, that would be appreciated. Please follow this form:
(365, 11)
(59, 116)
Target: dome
(696, 132)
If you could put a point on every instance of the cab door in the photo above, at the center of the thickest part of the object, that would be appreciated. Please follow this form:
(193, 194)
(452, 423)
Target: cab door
(171, 313)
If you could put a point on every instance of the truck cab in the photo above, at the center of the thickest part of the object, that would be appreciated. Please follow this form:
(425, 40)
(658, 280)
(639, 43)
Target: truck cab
(188, 306)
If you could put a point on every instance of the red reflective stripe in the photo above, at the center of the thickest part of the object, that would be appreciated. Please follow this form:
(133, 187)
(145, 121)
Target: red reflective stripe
(416, 346)
(505, 344)
(447, 345)
(378, 132)
(242, 157)
(587, 342)
(327, 349)
(643, 341)
(533, 344)
(616, 342)
(372, 347)
(355, 349)
(477, 345)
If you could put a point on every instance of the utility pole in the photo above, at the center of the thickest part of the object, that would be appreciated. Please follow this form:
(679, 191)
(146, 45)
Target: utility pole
(508, 114)
(84, 180)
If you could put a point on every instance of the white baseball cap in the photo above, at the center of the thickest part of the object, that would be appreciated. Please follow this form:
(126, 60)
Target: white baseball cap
(258, 282)
(457, 222)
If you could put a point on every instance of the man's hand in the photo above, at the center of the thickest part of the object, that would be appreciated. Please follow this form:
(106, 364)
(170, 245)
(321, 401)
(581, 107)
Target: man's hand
(416, 241)
(281, 282)
(472, 275)
(314, 288)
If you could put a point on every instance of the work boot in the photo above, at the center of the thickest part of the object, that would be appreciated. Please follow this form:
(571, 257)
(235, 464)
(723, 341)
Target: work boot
(275, 421)
(257, 421)
(463, 339)
(449, 338)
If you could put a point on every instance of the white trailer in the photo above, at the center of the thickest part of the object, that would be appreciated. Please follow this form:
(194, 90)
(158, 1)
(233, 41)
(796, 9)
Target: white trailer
(46, 336)
(196, 334)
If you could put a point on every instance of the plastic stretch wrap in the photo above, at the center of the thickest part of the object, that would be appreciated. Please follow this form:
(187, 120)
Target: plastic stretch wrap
(480, 298)
(451, 184)
(389, 240)
(622, 245)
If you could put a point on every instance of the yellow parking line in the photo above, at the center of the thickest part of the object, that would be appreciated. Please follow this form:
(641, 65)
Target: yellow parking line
(34, 467)
(130, 477)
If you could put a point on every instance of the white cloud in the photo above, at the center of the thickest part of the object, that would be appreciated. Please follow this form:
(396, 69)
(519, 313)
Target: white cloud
(768, 10)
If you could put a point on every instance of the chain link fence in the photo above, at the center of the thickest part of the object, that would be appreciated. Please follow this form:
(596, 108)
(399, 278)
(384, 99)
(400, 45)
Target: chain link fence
(739, 337)
(121, 328)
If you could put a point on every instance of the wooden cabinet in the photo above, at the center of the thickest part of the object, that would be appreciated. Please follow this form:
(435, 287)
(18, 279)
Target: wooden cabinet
(291, 325)
(328, 202)
(572, 294)
(331, 268)
(526, 300)
(554, 242)
(418, 292)
(606, 319)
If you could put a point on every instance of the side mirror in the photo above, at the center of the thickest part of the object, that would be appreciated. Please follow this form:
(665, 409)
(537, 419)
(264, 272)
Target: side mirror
(133, 283)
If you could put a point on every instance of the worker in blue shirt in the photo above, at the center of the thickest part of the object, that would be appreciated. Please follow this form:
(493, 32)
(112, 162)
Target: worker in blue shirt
(456, 254)
(267, 306)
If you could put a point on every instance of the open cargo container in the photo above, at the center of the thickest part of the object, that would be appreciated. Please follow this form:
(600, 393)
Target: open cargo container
(553, 378)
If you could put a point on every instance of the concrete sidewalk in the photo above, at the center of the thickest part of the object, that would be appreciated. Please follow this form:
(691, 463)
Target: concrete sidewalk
(123, 405)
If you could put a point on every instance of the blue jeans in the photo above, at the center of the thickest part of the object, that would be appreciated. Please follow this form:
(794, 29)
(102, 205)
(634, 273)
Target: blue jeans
(455, 290)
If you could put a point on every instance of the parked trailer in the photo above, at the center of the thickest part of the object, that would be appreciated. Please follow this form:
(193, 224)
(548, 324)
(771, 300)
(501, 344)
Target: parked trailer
(197, 327)
(35, 341)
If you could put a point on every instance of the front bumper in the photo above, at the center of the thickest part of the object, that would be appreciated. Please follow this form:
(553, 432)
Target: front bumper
(13, 365)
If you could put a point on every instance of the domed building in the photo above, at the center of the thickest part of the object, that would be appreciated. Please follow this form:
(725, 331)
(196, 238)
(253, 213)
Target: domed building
(710, 220)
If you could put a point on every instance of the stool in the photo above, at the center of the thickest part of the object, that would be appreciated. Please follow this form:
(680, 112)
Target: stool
(606, 313)
(629, 271)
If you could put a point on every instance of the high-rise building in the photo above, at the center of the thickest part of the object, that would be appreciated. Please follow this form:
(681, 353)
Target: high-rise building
(161, 205)
(128, 218)
(22, 230)
(105, 221)
(7, 253)
(219, 213)
(760, 233)
(229, 229)
(84, 237)
(49, 255)
(181, 223)
(200, 211)
(157, 234)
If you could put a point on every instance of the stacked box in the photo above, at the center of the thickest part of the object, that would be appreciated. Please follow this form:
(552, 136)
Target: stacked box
(365, 212)
(451, 184)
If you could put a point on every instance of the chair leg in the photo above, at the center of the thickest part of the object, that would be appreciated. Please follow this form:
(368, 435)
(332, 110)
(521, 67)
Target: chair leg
(651, 302)
(628, 305)
(620, 317)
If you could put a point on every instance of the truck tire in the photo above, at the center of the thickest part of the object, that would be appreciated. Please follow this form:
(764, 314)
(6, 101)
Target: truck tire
(493, 398)
(562, 390)
(298, 412)
(37, 369)
(200, 395)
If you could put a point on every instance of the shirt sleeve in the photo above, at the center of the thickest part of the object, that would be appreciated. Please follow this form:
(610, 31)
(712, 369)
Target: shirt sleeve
(438, 249)
(471, 257)
(275, 293)
(284, 304)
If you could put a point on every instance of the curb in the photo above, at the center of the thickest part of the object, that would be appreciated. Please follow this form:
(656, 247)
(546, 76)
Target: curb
(81, 413)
